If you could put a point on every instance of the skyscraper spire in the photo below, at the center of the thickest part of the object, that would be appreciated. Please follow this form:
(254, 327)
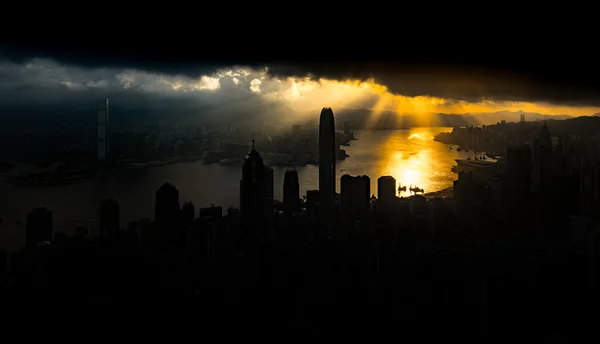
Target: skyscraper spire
(253, 141)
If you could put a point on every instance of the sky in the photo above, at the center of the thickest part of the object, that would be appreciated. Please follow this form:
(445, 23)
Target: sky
(64, 78)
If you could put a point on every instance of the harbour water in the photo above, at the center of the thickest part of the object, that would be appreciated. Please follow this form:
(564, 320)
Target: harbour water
(411, 156)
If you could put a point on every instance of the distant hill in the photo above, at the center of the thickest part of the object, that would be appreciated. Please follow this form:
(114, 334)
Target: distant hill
(364, 119)
(509, 116)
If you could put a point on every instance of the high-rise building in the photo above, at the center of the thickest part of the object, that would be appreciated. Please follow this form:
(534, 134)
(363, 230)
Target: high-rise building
(291, 192)
(188, 213)
(167, 214)
(386, 190)
(356, 193)
(38, 227)
(109, 217)
(103, 133)
(327, 150)
(253, 198)
(522, 118)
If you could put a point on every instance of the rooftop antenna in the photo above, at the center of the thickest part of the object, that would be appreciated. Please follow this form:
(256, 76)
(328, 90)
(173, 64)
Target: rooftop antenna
(252, 140)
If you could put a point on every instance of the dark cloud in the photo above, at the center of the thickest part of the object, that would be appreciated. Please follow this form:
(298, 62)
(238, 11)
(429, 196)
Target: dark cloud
(550, 74)
(574, 85)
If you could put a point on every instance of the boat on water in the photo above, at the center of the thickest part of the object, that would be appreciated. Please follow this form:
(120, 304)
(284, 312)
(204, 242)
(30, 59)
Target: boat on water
(468, 162)
(416, 189)
(228, 161)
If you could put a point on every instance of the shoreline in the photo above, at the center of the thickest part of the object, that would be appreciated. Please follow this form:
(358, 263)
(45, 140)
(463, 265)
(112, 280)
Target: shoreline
(444, 193)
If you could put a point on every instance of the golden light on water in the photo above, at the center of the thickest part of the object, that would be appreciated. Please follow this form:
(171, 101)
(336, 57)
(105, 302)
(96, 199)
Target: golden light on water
(411, 156)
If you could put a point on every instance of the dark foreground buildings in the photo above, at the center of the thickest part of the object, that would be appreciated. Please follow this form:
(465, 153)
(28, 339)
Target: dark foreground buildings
(495, 263)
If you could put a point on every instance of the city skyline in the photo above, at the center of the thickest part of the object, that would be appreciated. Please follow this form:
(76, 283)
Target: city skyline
(333, 190)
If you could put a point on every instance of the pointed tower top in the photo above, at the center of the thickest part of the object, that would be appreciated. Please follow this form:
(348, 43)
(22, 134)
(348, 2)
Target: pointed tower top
(253, 141)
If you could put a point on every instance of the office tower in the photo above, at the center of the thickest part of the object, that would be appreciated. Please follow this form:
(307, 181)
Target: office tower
(188, 213)
(312, 203)
(542, 162)
(109, 217)
(291, 192)
(38, 226)
(356, 193)
(167, 214)
(103, 134)
(386, 190)
(522, 118)
(252, 188)
(327, 151)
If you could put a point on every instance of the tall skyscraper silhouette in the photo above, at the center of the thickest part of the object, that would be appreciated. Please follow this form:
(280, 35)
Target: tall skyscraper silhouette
(103, 132)
(291, 192)
(253, 189)
(167, 214)
(327, 158)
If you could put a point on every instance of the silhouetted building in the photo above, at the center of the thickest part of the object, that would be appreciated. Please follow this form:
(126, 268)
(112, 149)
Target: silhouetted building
(386, 190)
(327, 156)
(211, 213)
(253, 198)
(522, 118)
(312, 204)
(167, 214)
(103, 132)
(109, 217)
(38, 226)
(327, 151)
(355, 193)
(542, 162)
(188, 213)
(291, 192)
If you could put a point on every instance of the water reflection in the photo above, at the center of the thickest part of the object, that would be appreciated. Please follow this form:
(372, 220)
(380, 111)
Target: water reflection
(411, 156)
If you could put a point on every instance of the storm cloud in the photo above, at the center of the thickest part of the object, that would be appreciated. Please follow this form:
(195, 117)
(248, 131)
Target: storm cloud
(552, 76)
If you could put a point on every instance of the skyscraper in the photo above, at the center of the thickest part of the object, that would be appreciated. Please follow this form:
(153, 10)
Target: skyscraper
(386, 190)
(356, 192)
(253, 189)
(103, 134)
(167, 214)
(291, 192)
(327, 158)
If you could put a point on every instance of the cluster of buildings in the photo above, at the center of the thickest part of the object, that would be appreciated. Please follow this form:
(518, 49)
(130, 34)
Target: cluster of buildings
(534, 222)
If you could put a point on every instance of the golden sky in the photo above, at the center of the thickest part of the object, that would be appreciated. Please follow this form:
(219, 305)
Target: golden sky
(306, 93)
